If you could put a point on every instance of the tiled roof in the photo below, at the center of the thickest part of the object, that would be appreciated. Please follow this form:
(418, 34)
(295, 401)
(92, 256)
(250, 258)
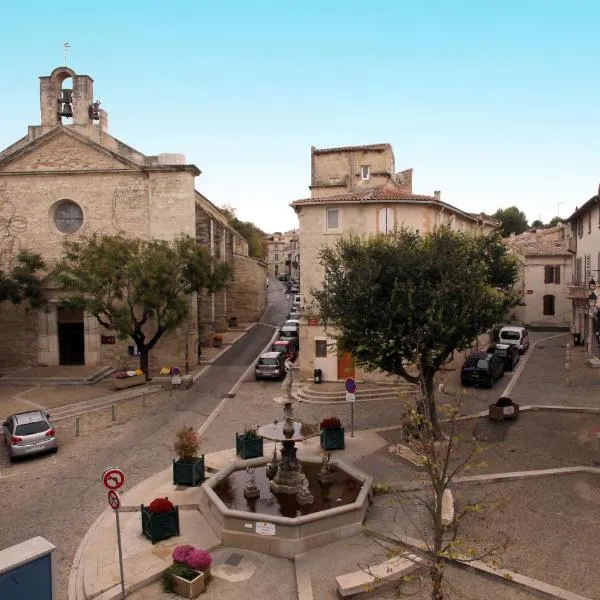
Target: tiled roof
(538, 242)
(371, 147)
(384, 193)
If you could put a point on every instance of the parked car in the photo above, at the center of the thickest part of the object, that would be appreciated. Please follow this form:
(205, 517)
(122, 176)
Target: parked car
(270, 365)
(296, 300)
(292, 323)
(282, 277)
(508, 353)
(287, 347)
(482, 369)
(294, 312)
(289, 333)
(29, 433)
(516, 336)
(293, 288)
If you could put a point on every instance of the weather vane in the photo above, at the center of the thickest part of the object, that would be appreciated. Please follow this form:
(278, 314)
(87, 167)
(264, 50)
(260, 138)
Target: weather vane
(66, 48)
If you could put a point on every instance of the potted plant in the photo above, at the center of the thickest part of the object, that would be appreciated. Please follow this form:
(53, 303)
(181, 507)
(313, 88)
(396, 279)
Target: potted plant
(332, 434)
(160, 520)
(189, 573)
(503, 408)
(217, 341)
(188, 468)
(249, 444)
(126, 379)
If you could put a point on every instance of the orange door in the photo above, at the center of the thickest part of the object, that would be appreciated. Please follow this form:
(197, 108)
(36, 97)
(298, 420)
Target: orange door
(345, 365)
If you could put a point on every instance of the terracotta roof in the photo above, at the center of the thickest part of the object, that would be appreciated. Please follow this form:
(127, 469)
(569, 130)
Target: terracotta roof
(389, 192)
(536, 242)
(370, 147)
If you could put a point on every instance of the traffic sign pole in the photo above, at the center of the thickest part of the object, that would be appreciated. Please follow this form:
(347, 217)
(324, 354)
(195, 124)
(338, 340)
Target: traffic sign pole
(351, 419)
(113, 479)
(120, 555)
(350, 386)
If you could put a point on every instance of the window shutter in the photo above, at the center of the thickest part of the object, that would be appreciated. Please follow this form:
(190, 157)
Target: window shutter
(557, 274)
(547, 274)
(382, 221)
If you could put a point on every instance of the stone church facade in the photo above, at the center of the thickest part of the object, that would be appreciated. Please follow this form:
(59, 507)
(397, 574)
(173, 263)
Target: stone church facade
(68, 177)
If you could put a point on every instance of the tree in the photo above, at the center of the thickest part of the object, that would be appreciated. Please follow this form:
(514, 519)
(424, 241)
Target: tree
(404, 303)
(135, 287)
(513, 220)
(253, 235)
(23, 283)
(431, 509)
(554, 221)
(537, 224)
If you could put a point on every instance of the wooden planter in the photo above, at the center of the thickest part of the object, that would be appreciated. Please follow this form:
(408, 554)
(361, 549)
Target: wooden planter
(499, 413)
(217, 343)
(332, 439)
(252, 448)
(159, 527)
(188, 473)
(127, 382)
(187, 588)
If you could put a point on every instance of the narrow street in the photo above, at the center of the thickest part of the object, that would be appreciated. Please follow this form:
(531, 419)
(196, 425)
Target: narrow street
(59, 496)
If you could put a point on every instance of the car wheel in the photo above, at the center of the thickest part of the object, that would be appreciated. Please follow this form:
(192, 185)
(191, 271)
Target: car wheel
(463, 382)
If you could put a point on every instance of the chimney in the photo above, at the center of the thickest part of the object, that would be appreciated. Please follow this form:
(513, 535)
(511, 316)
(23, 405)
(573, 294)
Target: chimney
(437, 195)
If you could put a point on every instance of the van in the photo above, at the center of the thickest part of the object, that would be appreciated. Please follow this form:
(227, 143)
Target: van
(515, 336)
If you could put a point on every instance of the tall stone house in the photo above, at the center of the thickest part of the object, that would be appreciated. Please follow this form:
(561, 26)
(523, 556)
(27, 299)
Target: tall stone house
(68, 177)
(545, 269)
(282, 251)
(356, 189)
(584, 246)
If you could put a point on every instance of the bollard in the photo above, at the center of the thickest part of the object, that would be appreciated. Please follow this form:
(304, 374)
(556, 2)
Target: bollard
(76, 426)
(144, 401)
(113, 411)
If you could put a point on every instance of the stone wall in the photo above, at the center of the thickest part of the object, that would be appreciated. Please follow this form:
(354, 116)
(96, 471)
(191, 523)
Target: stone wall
(19, 345)
(247, 293)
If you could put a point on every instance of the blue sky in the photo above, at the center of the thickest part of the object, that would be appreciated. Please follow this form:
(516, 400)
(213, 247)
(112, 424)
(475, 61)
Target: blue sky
(493, 103)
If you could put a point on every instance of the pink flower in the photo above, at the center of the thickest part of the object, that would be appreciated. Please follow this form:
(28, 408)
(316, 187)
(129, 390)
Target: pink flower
(181, 553)
(199, 560)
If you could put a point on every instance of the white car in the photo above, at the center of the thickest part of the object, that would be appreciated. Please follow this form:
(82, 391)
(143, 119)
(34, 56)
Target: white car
(515, 336)
(292, 323)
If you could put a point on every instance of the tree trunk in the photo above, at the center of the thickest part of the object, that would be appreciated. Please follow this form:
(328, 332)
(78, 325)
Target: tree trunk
(428, 390)
(144, 362)
(437, 576)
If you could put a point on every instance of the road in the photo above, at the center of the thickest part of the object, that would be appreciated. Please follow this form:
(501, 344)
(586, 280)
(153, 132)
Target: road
(59, 496)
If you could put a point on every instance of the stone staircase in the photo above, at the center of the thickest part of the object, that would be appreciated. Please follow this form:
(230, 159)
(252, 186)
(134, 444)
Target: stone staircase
(328, 394)
(25, 379)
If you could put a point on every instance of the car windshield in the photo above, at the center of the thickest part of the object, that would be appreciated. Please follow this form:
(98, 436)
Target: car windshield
(271, 362)
(278, 348)
(31, 428)
(479, 363)
(510, 335)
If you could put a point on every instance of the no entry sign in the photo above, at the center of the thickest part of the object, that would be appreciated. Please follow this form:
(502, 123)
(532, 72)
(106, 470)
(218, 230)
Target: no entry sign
(350, 385)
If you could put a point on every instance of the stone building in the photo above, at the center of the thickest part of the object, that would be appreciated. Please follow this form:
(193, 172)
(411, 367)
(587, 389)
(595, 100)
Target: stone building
(282, 251)
(356, 189)
(545, 269)
(69, 177)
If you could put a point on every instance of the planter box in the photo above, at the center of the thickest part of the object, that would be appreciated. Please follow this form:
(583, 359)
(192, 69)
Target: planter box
(248, 448)
(160, 527)
(127, 382)
(191, 473)
(189, 589)
(499, 413)
(332, 439)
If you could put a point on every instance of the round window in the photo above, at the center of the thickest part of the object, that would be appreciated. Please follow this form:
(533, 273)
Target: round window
(68, 217)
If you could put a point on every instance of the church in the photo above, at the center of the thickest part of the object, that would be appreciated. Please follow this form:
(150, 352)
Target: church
(68, 177)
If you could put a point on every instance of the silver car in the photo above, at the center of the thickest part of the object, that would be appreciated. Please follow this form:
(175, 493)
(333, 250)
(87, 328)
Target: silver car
(29, 433)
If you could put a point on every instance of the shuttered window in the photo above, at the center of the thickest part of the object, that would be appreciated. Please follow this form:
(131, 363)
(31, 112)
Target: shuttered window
(386, 220)
(552, 274)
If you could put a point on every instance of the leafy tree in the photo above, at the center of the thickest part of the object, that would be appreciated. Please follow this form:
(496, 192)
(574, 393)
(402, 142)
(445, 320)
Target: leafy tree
(554, 221)
(22, 283)
(537, 224)
(253, 235)
(135, 287)
(402, 299)
(513, 220)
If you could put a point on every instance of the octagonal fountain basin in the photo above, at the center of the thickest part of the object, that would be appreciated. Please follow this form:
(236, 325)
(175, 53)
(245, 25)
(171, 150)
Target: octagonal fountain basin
(276, 524)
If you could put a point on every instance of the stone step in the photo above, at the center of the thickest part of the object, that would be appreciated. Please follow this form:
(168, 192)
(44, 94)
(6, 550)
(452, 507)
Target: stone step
(337, 396)
(89, 380)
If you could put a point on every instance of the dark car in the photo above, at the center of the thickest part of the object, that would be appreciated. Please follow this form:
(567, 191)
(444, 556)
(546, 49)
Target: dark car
(508, 353)
(282, 277)
(270, 365)
(482, 369)
(290, 333)
(287, 347)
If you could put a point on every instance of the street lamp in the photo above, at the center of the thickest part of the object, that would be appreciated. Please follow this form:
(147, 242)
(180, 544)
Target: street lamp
(592, 284)
(592, 298)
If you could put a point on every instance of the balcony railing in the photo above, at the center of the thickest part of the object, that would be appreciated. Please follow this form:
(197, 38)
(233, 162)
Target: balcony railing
(578, 290)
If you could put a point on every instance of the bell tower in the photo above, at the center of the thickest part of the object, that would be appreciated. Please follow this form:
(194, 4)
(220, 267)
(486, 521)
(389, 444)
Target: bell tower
(58, 101)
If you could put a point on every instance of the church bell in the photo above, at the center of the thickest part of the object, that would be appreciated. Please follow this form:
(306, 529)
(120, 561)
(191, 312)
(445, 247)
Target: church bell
(66, 102)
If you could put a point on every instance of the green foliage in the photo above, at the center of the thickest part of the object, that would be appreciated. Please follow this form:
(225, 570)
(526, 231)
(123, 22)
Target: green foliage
(537, 224)
(554, 221)
(513, 220)
(405, 299)
(180, 570)
(23, 283)
(137, 288)
(253, 235)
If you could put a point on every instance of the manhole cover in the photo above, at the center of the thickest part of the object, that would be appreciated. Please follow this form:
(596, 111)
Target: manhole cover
(234, 560)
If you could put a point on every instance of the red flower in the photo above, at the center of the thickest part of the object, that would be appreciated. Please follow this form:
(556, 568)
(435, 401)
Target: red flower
(199, 560)
(160, 506)
(331, 423)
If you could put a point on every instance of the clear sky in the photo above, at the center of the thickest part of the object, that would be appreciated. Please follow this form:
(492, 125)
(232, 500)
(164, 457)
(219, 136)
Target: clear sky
(493, 103)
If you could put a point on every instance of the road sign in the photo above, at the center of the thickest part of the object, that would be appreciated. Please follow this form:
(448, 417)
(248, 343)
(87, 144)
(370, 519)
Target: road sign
(113, 478)
(350, 385)
(350, 397)
(113, 499)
